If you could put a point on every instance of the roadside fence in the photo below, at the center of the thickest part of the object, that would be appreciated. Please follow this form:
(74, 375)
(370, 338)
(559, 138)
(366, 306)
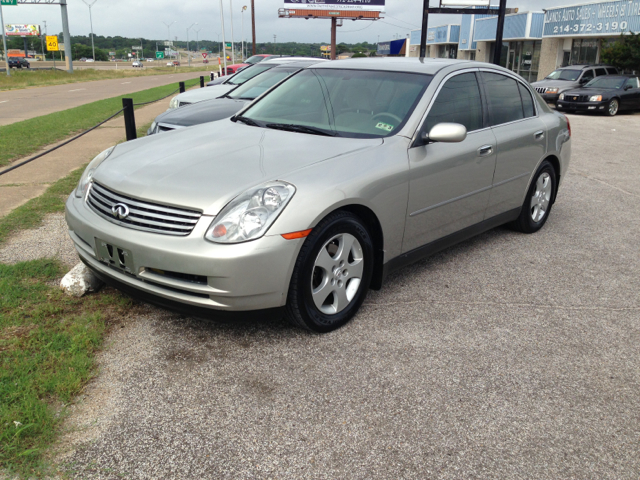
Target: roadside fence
(129, 124)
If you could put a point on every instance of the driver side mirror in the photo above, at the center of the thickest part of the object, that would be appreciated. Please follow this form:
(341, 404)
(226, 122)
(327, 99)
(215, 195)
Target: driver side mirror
(445, 132)
(584, 80)
(628, 87)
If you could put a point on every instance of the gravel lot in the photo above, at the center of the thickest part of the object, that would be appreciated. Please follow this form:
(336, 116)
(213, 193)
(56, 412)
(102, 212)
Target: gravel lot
(508, 356)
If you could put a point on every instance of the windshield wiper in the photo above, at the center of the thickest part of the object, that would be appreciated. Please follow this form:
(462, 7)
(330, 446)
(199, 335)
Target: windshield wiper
(246, 120)
(290, 127)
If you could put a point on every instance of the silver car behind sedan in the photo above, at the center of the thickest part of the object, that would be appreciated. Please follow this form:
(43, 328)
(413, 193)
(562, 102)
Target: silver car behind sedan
(317, 190)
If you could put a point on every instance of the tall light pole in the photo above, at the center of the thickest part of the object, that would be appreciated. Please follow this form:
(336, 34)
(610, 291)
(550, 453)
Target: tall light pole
(224, 51)
(233, 47)
(168, 25)
(242, 29)
(188, 53)
(44, 55)
(93, 49)
(198, 39)
(4, 44)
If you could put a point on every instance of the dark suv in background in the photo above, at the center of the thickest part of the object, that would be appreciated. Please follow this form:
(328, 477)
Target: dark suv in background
(18, 62)
(569, 78)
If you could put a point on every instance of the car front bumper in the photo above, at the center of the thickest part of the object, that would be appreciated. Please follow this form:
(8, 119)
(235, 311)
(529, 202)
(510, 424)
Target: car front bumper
(565, 106)
(188, 269)
(550, 97)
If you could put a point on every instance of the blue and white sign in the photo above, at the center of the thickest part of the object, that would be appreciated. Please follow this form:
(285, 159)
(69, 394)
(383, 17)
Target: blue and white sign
(595, 19)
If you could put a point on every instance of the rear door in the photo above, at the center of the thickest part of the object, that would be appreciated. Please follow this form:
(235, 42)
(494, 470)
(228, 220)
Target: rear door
(521, 139)
(631, 96)
(450, 182)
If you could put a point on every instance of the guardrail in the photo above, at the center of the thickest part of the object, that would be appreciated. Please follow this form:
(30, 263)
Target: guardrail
(129, 124)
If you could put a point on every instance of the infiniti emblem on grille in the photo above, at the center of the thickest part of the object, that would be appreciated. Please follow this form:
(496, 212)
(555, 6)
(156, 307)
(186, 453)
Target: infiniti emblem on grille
(120, 210)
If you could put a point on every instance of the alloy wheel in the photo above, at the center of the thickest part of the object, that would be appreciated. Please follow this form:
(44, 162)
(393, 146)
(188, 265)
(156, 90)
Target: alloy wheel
(613, 107)
(541, 197)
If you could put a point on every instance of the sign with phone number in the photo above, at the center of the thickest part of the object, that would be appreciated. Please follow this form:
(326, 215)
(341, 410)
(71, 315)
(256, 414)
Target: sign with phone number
(595, 19)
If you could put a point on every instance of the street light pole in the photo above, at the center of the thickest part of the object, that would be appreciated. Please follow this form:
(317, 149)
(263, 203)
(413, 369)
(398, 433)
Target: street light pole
(242, 30)
(188, 53)
(168, 25)
(93, 48)
(233, 47)
(224, 51)
(198, 39)
(4, 44)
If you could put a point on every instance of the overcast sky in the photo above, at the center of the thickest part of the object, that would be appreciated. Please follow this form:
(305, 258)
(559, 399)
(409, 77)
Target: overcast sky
(144, 18)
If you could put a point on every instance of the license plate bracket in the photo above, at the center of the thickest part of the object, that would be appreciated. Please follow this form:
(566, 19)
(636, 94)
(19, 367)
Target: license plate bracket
(114, 256)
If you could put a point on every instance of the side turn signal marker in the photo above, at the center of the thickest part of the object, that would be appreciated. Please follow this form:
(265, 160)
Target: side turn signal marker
(294, 235)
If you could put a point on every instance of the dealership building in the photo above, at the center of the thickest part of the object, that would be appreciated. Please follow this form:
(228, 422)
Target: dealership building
(534, 43)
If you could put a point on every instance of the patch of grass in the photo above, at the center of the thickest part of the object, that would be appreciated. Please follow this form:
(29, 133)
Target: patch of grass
(40, 78)
(23, 138)
(47, 347)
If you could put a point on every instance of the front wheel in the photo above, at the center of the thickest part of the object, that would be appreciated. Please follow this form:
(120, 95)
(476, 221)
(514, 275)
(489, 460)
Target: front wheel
(539, 199)
(613, 107)
(332, 274)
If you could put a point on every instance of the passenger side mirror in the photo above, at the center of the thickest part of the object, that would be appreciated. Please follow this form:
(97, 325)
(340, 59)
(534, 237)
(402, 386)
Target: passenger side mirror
(584, 80)
(446, 132)
(628, 87)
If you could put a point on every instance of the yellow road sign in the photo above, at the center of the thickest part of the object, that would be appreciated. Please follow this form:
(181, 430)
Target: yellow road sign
(52, 43)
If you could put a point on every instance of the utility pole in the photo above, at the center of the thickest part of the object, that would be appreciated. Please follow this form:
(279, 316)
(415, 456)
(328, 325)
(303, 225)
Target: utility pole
(253, 27)
(224, 49)
(274, 44)
(198, 39)
(67, 38)
(497, 52)
(44, 55)
(233, 47)
(333, 37)
(188, 53)
(93, 49)
(4, 44)
(242, 30)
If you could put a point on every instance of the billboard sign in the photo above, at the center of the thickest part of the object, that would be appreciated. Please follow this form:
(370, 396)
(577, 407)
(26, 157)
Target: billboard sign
(368, 5)
(22, 30)
(465, 3)
(605, 18)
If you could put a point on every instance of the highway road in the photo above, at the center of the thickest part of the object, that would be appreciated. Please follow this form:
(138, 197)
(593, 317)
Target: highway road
(17, 105)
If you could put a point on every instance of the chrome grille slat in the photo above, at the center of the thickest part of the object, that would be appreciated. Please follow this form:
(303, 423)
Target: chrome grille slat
(151, 206)
(149, 217)
(541, 89)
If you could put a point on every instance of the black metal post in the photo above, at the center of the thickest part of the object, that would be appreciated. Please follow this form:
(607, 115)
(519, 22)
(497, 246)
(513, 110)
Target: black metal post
(212, 77)
(182, 89)
(201, 82)
(497, 51)
(423, 33)
(129, 119)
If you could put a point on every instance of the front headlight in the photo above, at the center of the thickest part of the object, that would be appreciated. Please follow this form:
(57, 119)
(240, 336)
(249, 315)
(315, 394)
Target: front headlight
(552, 90)
(174, 103)
(152, 128)
(561, 97)
(250, 215)
(81, 190)
(595, 98)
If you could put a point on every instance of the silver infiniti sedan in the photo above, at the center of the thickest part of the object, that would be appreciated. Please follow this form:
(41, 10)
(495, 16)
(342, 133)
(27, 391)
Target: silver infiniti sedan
(313, 193)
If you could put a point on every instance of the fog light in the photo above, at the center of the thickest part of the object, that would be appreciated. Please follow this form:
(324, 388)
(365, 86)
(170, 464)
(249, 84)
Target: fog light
(592, 108)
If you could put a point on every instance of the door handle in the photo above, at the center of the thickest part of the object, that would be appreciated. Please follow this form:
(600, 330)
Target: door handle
(539, 135)
(485, 150)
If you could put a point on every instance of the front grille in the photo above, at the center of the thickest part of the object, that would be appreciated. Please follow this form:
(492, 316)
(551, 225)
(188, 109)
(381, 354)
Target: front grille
(146, 216)
(577, 98)
(541, 89)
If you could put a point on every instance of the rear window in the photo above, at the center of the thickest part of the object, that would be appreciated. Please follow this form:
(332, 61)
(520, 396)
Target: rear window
(600, 71)
(612, 71)
(503, 98)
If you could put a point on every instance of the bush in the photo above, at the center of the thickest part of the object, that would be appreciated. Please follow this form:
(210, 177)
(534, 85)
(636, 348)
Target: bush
(624, 53)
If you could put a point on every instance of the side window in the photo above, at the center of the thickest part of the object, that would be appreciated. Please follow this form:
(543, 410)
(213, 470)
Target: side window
(527, 101)
(586, 76)
(612, 71)
(600, 71)
(457, 102)
(635, 82)
(503, 98)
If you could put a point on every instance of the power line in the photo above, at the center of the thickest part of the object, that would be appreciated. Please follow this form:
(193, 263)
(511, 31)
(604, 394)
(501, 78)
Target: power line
(360, 29)
(403, 21)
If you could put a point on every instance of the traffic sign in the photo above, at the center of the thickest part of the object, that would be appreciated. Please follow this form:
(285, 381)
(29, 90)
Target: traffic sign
(204, 54)
(52, 43)
(159, 55)
(136, 47)
(168, 43)
(228, 44)
(8, 2)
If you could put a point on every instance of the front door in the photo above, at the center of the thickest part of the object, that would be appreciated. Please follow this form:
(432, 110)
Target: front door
(450, 182)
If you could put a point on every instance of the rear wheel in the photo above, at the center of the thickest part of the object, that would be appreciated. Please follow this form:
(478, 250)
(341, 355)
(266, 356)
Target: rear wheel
(539, 200)
(332, 274)
(612, 107)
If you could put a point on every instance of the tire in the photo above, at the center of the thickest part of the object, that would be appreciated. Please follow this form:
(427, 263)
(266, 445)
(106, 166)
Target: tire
(539, 200)
(613, 107)
(327, 289)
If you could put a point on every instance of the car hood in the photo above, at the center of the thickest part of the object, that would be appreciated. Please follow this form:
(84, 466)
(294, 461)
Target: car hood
(201, 112)
(206, 166)
(590, 91)
(207, 93)
(556, 83)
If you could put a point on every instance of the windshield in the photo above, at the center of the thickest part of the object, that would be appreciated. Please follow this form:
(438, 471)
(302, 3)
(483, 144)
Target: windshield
(247, 74)
(564, 74)
(604, 82)
(346, 103)
(258, 85)
(255, 59)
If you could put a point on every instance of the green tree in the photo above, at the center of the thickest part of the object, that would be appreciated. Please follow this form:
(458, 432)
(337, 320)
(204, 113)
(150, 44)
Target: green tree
(624, 53)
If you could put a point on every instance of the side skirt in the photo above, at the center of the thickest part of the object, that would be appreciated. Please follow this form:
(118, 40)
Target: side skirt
(446, 242)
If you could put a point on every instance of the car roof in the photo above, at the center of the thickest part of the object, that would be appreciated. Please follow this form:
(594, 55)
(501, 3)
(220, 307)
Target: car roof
(299, 63)
(403, 64)
(278, 60)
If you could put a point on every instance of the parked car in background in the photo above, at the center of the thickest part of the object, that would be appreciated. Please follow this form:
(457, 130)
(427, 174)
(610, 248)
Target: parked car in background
(568, 78)
(316, 191)
(608, 94)
(229, 83)
(236, 67)
(137, 64)
(228, 104)
(18, 62)
(90, 60)
(205, 60)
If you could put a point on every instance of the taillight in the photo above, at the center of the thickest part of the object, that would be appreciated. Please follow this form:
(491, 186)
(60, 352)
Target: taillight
(568, 125)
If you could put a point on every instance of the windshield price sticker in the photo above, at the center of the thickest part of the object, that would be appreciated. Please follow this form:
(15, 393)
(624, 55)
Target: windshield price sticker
(385, 126)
